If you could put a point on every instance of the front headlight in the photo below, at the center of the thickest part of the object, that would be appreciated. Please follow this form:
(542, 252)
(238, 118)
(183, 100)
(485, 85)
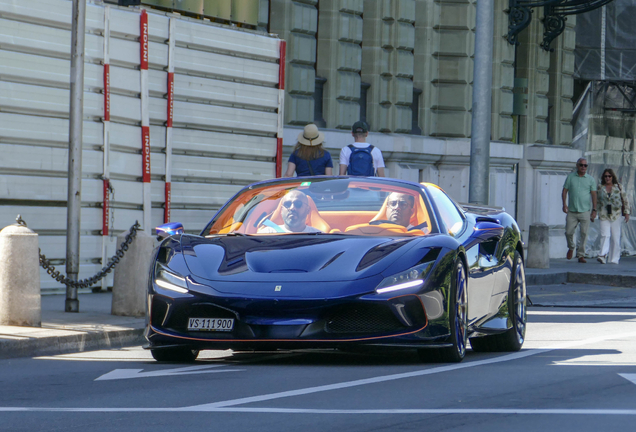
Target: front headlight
(169, 280)
(410, 278)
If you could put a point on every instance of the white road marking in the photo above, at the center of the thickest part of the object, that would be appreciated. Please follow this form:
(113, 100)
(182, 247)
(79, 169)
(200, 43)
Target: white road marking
(492, 411)
(375, 380)
(564, 313)
(137, 373)
(630, 377)
(225, 406)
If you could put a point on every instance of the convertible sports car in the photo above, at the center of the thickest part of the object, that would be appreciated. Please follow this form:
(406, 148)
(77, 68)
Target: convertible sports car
(340, 262)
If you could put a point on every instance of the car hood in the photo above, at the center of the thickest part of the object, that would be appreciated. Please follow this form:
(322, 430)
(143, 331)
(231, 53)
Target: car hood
(291, 258)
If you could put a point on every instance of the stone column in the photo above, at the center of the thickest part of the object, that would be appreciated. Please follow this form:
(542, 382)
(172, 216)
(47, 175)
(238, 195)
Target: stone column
(20, 300)
(130, 283)
(387, 63)
(423, 71)
(296, 21)
(452, 38)
(532, 64)
(340, 60)
(561, 87)
(503, 74)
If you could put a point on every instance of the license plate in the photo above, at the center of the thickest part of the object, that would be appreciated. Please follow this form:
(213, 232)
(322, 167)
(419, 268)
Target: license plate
(210, 324)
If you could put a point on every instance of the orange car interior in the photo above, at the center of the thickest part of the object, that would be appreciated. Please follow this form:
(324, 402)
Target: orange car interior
(328, 220)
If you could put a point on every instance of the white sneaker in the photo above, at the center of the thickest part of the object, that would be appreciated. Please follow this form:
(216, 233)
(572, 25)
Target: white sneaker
(601, 259)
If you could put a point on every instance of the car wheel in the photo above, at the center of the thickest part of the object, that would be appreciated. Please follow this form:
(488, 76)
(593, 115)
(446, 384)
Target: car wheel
(513, 338)
(458, 320)
(178, 354)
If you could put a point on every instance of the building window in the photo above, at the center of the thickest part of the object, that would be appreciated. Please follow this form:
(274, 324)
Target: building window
(364, 88)
(319, 120)
(415, 110)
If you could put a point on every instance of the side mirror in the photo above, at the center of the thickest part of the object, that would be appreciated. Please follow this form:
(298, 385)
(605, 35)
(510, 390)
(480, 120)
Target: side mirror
(169, 229)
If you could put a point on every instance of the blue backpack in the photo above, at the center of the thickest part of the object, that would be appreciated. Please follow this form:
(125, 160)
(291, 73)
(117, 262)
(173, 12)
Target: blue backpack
(361, 161)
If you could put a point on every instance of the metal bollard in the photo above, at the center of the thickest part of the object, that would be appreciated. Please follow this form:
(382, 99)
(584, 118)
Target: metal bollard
(20, 296)
(130, 282)
(538, 246)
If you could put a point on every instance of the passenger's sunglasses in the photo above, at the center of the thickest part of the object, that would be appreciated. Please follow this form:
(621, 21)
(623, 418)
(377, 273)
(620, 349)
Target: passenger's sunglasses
(583, 165)
(401, 204)
(296, 203)
(608, 175)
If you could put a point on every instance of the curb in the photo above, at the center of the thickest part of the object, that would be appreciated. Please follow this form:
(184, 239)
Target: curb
(546, 279)
(581, 278)
(54, 345)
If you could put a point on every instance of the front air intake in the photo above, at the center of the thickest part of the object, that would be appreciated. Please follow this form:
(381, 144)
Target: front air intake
(364, 319)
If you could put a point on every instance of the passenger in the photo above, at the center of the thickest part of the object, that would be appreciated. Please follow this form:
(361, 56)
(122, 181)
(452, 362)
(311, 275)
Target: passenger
(399, 209)
(294, 210)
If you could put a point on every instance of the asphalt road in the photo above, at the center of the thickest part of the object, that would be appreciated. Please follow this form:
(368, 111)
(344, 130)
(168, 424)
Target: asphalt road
(577, 372)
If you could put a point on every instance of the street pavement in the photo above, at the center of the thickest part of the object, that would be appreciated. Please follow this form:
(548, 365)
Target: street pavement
(564, 284)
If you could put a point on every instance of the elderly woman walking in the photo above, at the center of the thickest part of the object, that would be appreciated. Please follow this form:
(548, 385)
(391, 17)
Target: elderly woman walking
(611, 201)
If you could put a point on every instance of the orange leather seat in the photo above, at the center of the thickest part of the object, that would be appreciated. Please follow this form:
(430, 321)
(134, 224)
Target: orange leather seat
(313, 218)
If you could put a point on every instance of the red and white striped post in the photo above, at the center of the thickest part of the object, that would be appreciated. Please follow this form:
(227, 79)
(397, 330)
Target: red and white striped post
(170, 116)
(145, 120)
(281, 109)
(106, 140)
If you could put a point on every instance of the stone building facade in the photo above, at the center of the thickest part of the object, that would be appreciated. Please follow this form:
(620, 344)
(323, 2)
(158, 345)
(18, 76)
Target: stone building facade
(406, 67)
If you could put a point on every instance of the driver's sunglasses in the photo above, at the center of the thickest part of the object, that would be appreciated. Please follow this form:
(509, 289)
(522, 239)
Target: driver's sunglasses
(607, 176)
(297, 203)
(583, 165)
(401, 204)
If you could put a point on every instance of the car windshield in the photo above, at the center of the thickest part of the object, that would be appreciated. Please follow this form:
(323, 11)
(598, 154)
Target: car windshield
(331, 205)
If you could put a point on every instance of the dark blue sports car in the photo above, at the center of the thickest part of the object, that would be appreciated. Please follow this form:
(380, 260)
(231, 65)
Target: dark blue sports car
(340, 262)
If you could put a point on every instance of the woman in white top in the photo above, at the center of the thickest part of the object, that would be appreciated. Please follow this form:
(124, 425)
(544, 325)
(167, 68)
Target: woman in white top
(611, 199)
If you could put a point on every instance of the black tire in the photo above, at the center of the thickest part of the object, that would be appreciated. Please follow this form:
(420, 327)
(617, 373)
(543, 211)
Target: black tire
(513, 338)
(184, 355)
(457, 319)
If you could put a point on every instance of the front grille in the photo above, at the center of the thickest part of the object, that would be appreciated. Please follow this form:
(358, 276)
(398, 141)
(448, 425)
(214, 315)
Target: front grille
(364, 319)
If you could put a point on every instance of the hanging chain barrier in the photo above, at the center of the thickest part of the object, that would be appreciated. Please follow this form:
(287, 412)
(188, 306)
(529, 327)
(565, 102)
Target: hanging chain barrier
(112, 262)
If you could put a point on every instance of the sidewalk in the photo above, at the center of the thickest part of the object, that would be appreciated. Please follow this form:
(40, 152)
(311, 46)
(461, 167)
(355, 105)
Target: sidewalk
(568, 283)
(92, 328)
(564, 284)
(562, 270)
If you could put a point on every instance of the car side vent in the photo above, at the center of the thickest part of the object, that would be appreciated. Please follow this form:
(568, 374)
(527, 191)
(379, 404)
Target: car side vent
(379, 252)
(335, 257)
(487, 219)
(431, 255)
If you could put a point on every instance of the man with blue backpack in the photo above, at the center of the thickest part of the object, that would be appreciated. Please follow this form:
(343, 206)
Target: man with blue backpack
(361, 158)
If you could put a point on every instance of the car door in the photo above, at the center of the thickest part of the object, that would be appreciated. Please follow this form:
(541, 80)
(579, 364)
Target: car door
(484, 266)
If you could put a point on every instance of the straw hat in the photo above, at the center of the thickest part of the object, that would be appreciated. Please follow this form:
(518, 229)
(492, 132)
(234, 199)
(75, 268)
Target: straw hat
(311, 136)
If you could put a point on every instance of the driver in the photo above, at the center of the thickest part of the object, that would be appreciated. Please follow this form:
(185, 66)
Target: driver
(399, 209)
(294, 210)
